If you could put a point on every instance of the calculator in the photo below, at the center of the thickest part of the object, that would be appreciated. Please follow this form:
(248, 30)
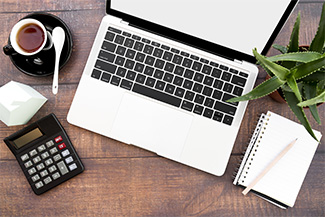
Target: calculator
(45, 154)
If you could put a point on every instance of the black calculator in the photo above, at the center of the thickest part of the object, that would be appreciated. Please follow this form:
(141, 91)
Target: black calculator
(45, 154)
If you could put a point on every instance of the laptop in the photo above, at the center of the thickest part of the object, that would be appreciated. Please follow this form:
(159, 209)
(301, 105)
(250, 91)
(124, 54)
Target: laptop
(160, 72)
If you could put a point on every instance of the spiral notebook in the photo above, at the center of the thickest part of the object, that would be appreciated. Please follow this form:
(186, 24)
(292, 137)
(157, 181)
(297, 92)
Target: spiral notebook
(282, 183)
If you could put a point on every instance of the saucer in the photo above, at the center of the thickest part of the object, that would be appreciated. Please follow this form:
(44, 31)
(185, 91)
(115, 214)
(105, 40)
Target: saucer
(42, 63)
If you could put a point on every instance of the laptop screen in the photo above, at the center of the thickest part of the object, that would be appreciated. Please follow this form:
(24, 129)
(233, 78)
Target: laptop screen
(235, 24)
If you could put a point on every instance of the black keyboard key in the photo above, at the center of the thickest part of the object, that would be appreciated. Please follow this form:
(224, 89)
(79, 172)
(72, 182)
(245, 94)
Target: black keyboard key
(238, 91)
(114, 30)
(109, 46)
(150, 60)
(129, 43)
(207, 69)
(105, 66)
(121, 72)
(187, 63)
(188, 84)
(218, 84)
(216, 73)
(188, 73)
(165, 47)
(96, 74)
(148, 49)
(145, 40)
(109, 36)
(139, 67)
(170, 88)
(149, 70)
(208, 81)
(198, 109)
(150, 82)
(202, 60)
(106, 56)
(140, 57)
(126, 84)
(158, 52)
(187, 106)
(234, 71)
(169, 67)
(238, 80)
(214, 64)
(243, 74)
(227, 120)
(199, 99)
(120, 61)
(168, 77)
(227, 96)
(220, 106)
(126, 34)
(129, 64)
(217, 116)
(168, 56)
(179, 92)
(159, 63)
(131, 75)
(194, 57)
(138, 46)
(228, 87)
(160, 85)
(119, 39)
(178, 81)
(136, 37)
(198, 77)
(140, 78)
(115, 80)
(105, 77)
(198, 87)
(217, 94)
(208, 113)
(120, 50)
(185, 54)
(158, 74)
(197, 66)
(189, 95)
(223, 67)
(130, 54)
(155, 44)
(177, 59)
(209, 102)
(163, 97)
(179, 70)
(207, 91)
(175, 50)
(226, 76)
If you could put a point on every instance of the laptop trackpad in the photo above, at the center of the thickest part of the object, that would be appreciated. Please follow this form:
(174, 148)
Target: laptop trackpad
(151, 126)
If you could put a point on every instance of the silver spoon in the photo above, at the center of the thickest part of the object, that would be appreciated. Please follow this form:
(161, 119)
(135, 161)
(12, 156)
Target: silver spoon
(58, 37)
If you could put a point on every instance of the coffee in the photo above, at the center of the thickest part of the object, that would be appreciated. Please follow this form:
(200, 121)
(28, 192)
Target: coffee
(30, 37)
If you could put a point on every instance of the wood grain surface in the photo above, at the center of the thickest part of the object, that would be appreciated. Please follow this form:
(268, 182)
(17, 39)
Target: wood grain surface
(123, 180)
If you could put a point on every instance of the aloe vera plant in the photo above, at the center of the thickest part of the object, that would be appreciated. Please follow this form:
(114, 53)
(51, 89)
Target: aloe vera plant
(299, 74)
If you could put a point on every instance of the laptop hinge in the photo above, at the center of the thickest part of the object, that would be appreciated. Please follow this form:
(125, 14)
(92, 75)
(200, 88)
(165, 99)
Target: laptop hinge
(238, 61)
(124, 22)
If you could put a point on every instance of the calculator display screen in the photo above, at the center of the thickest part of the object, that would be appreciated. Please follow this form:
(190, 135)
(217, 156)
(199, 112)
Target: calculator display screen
(27, 138)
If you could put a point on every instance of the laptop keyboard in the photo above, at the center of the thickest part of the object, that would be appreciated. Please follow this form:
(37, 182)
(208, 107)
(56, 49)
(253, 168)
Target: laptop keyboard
(169, 75)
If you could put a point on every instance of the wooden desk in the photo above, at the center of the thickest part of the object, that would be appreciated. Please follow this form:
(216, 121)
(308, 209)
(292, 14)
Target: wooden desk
(122, 180)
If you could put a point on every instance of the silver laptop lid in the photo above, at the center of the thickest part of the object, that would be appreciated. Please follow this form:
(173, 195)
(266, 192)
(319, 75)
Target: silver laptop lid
(229, 28)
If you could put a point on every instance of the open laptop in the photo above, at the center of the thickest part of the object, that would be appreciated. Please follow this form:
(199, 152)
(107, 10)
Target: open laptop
(160, 72)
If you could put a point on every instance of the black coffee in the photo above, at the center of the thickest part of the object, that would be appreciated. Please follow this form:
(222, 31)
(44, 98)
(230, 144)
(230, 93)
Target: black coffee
(30, 37)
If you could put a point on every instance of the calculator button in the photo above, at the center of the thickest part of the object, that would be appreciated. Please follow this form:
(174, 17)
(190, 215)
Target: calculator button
(41, 148)
(62, 146)
(35, 178)
(56, 175)
(58, 139)
(49, 143)
(43, 173)
(40, 166)
(24, 157)
(28, 164)
(65, 153)
(45, 155)
(32, 171)
(32, 152)
(39, 184)
(48, 162)
(52, 169)
(37, 159)
(62, 167)
(47, 180)
(69, 160)
(73, 166)
(57, 157)
(53, 150)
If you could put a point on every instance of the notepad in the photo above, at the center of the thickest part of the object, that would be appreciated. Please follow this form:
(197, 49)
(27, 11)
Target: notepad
(282, 183)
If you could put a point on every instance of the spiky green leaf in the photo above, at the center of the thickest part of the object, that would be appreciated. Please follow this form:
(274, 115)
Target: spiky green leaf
(318, 99)
(319, 41)
(303, 57)
(298, 111)
(280, 48)
(310, 92)
(261, 90)
(291, 81)
(306, 69)
(294, 39)
(315, 77)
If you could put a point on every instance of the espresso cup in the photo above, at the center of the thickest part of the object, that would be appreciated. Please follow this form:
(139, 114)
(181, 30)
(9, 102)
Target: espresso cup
(28, 37)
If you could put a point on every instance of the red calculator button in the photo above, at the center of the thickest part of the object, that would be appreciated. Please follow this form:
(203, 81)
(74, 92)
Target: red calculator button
(58, 139)
(62, 146)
